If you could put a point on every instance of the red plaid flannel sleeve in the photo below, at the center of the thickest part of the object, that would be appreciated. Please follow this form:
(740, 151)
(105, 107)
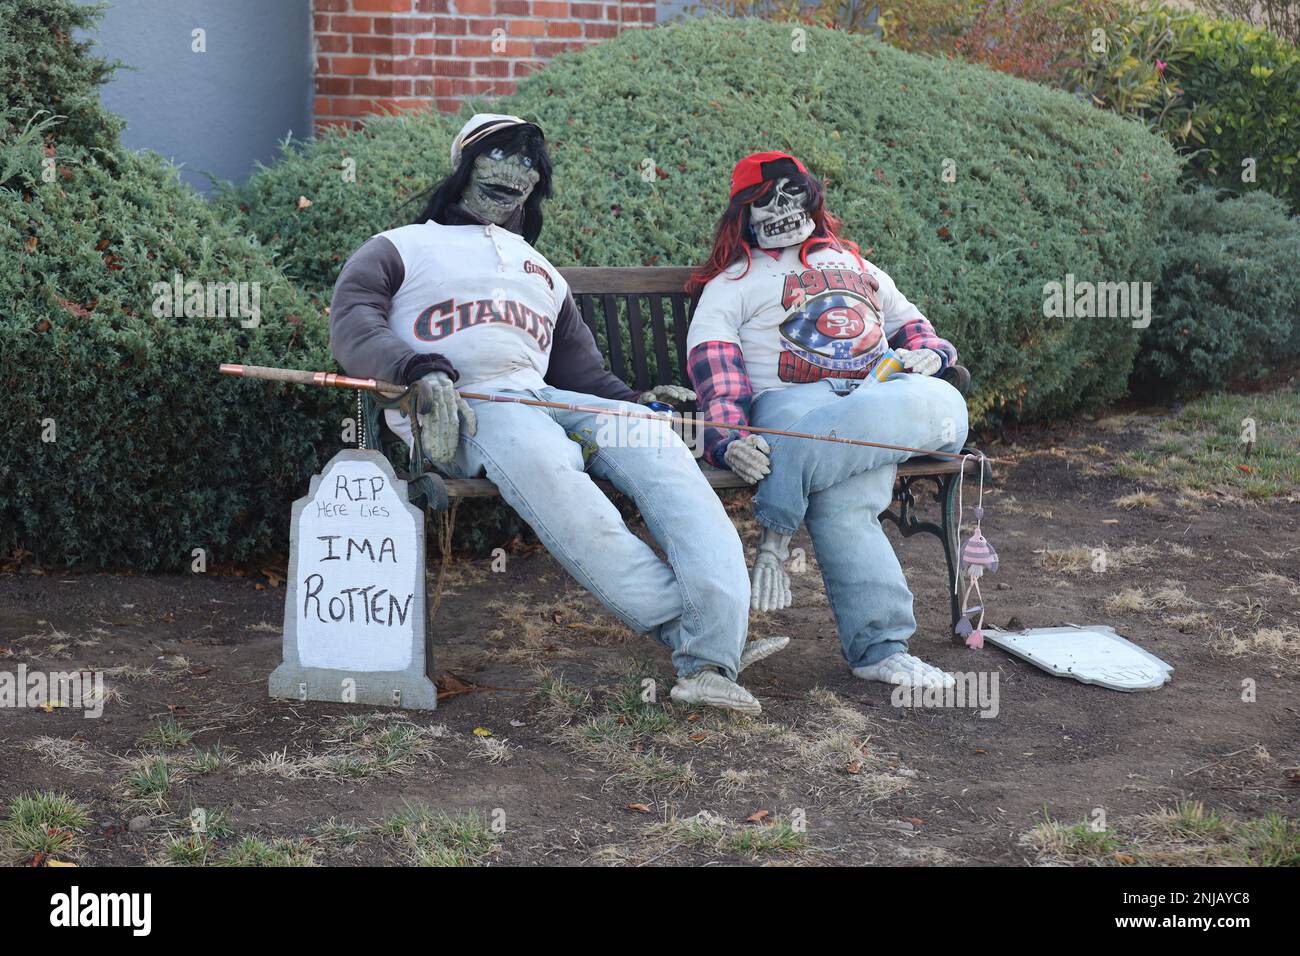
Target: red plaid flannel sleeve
(717, 372)
(918, 333)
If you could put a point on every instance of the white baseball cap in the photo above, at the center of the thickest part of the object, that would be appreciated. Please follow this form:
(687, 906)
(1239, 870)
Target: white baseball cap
(480, 125)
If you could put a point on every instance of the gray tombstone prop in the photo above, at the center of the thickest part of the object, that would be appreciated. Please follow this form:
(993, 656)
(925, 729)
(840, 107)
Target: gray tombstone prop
(354, 611)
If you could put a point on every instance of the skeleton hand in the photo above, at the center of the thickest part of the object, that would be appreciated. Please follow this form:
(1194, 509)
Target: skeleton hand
(769, 585)
(669, 394)
(749, 457)
(920, 361)
(438, 405)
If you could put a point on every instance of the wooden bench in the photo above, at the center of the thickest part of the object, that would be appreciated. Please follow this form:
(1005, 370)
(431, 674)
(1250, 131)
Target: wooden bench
(616, 303)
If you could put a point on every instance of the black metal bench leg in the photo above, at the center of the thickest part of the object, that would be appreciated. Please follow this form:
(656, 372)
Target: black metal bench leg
(951, 539)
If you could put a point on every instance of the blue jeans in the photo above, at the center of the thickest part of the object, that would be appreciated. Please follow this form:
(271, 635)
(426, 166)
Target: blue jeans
(543, 461)
(839, 491)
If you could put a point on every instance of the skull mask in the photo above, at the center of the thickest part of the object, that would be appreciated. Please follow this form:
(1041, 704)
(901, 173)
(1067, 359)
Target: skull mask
(780, 218)
(499, 184)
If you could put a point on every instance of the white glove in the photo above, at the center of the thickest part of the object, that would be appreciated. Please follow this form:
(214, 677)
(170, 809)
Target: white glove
(439, 406)
(749, 457)
(668, 394)
(920, 361)
(769, 585)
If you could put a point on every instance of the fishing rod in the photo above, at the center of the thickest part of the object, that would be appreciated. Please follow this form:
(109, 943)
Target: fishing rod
(388, 389)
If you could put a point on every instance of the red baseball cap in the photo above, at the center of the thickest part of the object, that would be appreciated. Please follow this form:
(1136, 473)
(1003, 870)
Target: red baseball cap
(755, 168)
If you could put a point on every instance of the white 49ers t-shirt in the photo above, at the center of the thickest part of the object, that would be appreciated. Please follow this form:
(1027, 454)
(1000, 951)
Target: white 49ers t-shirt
(797, 323)
(481, 296)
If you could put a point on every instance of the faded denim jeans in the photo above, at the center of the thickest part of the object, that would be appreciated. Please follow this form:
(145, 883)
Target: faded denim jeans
(839, 491)
(696, 603)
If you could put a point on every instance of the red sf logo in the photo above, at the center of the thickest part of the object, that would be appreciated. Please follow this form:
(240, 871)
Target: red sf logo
(842, 322)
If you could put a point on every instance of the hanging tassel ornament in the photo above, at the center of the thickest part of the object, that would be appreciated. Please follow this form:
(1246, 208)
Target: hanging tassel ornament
(976, 557)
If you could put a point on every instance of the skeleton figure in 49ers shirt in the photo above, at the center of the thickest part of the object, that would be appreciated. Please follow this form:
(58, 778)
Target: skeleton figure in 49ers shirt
(788, 333)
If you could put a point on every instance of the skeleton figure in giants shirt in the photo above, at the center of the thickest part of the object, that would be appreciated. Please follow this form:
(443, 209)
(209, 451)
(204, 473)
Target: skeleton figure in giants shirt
(790, 325)
(461, 298)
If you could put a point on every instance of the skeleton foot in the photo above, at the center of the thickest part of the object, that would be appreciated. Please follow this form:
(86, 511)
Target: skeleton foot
(769, 585)
(712, 689)
(903, 668)
(755, 651)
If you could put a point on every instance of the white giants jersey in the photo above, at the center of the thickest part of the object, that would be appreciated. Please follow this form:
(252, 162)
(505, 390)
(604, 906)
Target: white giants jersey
(481, 296)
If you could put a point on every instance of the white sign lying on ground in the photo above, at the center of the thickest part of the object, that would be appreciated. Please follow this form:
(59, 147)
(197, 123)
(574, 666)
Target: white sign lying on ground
(1091, 655)
(354, 624)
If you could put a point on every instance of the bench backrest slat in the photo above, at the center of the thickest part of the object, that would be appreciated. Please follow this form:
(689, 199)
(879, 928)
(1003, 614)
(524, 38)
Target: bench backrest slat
(620, 292)
(613, 337)
(660, 329)
(588, 314)
(636, 332)
(680, 323)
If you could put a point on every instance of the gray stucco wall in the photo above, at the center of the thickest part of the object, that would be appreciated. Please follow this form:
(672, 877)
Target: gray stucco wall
(215, 112)
(669, 9)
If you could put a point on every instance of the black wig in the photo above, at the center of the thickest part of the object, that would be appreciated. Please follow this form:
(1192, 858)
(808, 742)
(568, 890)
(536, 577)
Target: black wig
(526, 139)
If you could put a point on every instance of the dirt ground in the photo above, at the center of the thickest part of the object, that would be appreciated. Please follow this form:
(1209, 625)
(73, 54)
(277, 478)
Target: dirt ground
(579, 770)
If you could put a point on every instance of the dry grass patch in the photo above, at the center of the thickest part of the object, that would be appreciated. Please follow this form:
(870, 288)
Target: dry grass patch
(1278, 643)
(425, 837)
(1278, 583)
(1077, 558)
(833, 748)
(553, 628)
(279, 852)
(708, 831)
(361, 747)
(1171, 596)
(72, 755)
(625, 734)
(1188, 834)
(1138, 499)
(495, 750)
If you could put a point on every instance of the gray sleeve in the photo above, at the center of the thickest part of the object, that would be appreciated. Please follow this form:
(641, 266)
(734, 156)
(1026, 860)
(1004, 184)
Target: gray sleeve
(576, 363)
(361, 339)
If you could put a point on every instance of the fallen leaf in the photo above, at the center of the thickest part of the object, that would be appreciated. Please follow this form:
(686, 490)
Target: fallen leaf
(482, 732)
(758, 816)
(1127, 859)
(915, 821)
(1246, 468)
(303, 202)
(640, 807)
(854, 767)
(698, 737)
(451, 686)
(58, 863)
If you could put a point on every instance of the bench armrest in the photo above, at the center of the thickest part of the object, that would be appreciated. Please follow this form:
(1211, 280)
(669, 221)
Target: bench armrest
(958, 376)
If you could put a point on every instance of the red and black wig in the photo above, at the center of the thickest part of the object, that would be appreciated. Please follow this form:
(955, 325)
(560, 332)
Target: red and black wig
(733, 240)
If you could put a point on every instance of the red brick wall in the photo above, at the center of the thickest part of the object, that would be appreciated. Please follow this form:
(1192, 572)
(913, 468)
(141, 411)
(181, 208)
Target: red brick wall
(377, 56)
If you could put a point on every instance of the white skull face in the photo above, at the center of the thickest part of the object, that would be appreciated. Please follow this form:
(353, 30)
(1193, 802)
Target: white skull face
(780, 218)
